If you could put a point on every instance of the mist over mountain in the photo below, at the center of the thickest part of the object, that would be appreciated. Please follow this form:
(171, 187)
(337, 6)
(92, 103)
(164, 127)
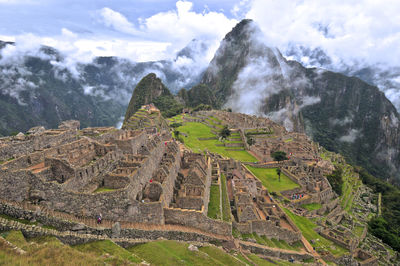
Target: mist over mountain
(43, 87)
(344, 114)
(386, 78)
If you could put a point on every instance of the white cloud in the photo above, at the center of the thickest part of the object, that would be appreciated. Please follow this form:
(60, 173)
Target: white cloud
(351, 136)
(116, 20)
(363, 31)
(182, 25)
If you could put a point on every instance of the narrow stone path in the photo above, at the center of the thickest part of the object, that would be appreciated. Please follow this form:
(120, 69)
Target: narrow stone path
(311, 250)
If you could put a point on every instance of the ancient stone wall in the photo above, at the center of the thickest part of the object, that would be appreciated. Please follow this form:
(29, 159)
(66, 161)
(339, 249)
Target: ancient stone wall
(197, 220)
(169, 181)
(15, 186)
(14, 149)
(285, 255)
(270, 230)
(193, 203)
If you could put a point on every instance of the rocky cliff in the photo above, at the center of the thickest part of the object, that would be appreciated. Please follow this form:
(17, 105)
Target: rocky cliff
(342, 113)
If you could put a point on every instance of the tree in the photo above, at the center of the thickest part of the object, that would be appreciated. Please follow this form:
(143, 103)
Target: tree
(250, 141)
(175, 125)
(278, 171)
(225, 132)
(279, 156)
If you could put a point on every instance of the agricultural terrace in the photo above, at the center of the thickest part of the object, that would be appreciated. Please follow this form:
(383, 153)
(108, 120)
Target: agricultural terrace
(269, 179)
(307, 227)
(192, 131)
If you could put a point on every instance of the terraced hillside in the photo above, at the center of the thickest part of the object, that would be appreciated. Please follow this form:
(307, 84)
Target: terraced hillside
(204, 199)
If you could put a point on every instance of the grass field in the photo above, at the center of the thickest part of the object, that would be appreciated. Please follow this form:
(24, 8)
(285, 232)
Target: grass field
(312, 206)
(50, 251)
(226, 207)
(101, 248)
(307, 229)
(214, 210)
(175, 253)
(103, 189)
(269, 179)
(195, 130)
(274, 243)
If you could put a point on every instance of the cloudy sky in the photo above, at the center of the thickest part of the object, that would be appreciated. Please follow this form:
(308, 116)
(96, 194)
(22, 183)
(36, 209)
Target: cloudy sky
(366, 31)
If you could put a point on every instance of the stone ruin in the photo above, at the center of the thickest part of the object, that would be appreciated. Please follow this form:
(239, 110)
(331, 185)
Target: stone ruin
(136, 176)
(253, 208)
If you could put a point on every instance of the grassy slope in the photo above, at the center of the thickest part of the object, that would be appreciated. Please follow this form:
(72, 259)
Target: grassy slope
(196, 130)
(312, 206)
(226, 207)
(269, 179)
(307, 229)
(50, 251)
(214, 210)
(44, 251)
(168, 252)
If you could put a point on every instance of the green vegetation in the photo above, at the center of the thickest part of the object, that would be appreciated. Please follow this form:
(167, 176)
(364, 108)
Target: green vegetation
(103, 189)
(279, 156)
(307, 229)
(50, 251)
(219, 257)
(387, 226)
(195, 130)
(168, 105)
(274, 243)
(312, 206)
(269, 178)
(264, 262)
(226, 207)
(23, 221)
(224, 132)
(200, 97)
(175, 125)
(151, 90)
(336, 180)
(117, 254)
(202, 107)
(47, 251)
(175, 253)
(214, 210)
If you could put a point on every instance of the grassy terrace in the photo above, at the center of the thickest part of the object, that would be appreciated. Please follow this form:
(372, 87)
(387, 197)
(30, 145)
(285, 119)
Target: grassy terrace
(226, 207)
(312, 206)
(195, 130)
(274, 243)
(103, 189)
(351, 182)
(214, 210)
(349, 188)
(307, 229)
(269, 179)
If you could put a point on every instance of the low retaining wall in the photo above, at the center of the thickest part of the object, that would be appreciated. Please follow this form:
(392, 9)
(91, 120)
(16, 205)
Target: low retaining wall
(268, 229)
(197, 220)
(285, 255)
(127, 237)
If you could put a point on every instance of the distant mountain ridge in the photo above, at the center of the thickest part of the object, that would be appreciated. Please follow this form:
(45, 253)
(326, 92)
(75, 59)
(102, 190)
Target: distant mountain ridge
(39, 88)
